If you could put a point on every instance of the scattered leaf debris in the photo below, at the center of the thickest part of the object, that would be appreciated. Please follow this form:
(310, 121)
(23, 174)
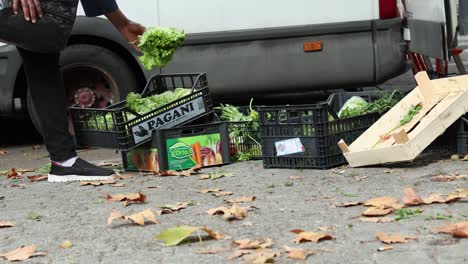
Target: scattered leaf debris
(303, 236)
(22, 253)
(37, 178)
(253, 244)
(127, 198)
(4, 224)
(298, 253)
(459, 230)
(393, 238)
(138, 218)
(234, 213)
(242, 199)
(97, 183)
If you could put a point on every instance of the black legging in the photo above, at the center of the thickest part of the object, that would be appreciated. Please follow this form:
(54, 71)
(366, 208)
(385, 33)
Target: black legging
(45, 83)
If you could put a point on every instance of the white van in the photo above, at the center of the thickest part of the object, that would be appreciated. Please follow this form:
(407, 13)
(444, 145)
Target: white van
(248, 48)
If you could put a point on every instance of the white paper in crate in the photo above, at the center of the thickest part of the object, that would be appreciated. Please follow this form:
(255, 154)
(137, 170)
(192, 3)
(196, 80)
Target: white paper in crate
(289, 146)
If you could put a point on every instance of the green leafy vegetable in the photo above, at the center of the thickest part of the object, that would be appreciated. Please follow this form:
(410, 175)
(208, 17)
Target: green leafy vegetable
(158, 44)
(357, 106)
(249, 132)
(413, 111)
(142, 105)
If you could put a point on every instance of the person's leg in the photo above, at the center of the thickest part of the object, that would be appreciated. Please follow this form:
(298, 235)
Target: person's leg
(45, 83)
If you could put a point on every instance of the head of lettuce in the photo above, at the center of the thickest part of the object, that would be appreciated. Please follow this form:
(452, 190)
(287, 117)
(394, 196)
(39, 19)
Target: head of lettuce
(158, 44)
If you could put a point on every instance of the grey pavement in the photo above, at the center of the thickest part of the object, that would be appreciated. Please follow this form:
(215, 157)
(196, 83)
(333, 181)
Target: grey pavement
(79, 214)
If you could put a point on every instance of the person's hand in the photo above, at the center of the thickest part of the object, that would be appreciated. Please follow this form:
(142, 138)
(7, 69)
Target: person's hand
(31, 9)
(131, 31)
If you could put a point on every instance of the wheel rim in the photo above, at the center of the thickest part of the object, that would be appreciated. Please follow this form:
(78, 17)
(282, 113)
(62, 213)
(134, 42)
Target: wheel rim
(90, 87)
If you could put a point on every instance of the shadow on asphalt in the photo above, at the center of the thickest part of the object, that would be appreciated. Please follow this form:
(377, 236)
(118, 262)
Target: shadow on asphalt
(16, 132)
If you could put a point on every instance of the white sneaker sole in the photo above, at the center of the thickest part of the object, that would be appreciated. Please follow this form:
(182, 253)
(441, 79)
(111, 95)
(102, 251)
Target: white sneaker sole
(72, 178)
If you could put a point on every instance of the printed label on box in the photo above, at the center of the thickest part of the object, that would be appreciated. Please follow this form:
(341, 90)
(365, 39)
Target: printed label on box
(289, 146)
(176, 116)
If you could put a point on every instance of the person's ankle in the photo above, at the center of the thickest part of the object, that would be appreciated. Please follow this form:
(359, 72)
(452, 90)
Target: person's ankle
(67, 163)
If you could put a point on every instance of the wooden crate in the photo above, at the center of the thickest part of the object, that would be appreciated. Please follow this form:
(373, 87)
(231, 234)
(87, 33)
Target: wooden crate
(443, 102)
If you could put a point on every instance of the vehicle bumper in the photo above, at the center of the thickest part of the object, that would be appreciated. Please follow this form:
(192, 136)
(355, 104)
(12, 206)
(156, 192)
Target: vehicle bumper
(10, 63)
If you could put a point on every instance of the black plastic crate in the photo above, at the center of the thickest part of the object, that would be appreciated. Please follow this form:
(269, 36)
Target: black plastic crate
(317, 128)
(176, 151)
(248, 141)
(118, 127)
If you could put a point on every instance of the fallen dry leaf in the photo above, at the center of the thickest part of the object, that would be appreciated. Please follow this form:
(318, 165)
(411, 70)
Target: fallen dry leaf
(298, 253)
(465, 158)
(138, 218)
(128, 198)
(393, 238)
(377, 219)
(3, 152)
(376, 211)
(348, 204)
(455, 157)
(36, 147)
(253, 244)
(185, 173)
(213, 250)
(242, 200)
(385, 202)
(261, 256)
(303, 236)
(388, 171)
(459, 230)
(215, 235)
(296, 177)
(239, 253)
(448, 178)
(97, 183)
(37, 178)
(153, 187)
(21, 186)
(66, 244)
(233, 213)
(118, 185)
(22, 253)
(385, 248)
(4, 224)
(13, 174)
(434, 198)
(219, 194)
(411, 198)
(169, 209)
(210, 190)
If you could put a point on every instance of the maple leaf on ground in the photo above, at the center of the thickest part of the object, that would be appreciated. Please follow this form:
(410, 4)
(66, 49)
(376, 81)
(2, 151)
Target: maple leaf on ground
(377, 219)
(97, 183)
(411, 198)
(233, 213)
(173, 236)
(138, 218)
(37, 178)
(219, 194)
(242, 200)
(296, 177)
(459, 230)
(261, 256)
(385, 202)
(375, 211)
(303, 236)
(298, 253)
(253, 244)
(169, 209)
(127, 198)
(4, 224)
(22, 253)
(210, 190)
(3, 152)
(393, 238)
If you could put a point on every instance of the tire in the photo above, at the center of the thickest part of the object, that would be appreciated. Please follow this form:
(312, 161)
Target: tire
(96, 60)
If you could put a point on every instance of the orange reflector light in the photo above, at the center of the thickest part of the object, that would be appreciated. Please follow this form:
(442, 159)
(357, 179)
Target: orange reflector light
(312, 46)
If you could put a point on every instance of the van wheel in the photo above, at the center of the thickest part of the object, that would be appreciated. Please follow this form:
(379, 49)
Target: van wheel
(94, 77)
